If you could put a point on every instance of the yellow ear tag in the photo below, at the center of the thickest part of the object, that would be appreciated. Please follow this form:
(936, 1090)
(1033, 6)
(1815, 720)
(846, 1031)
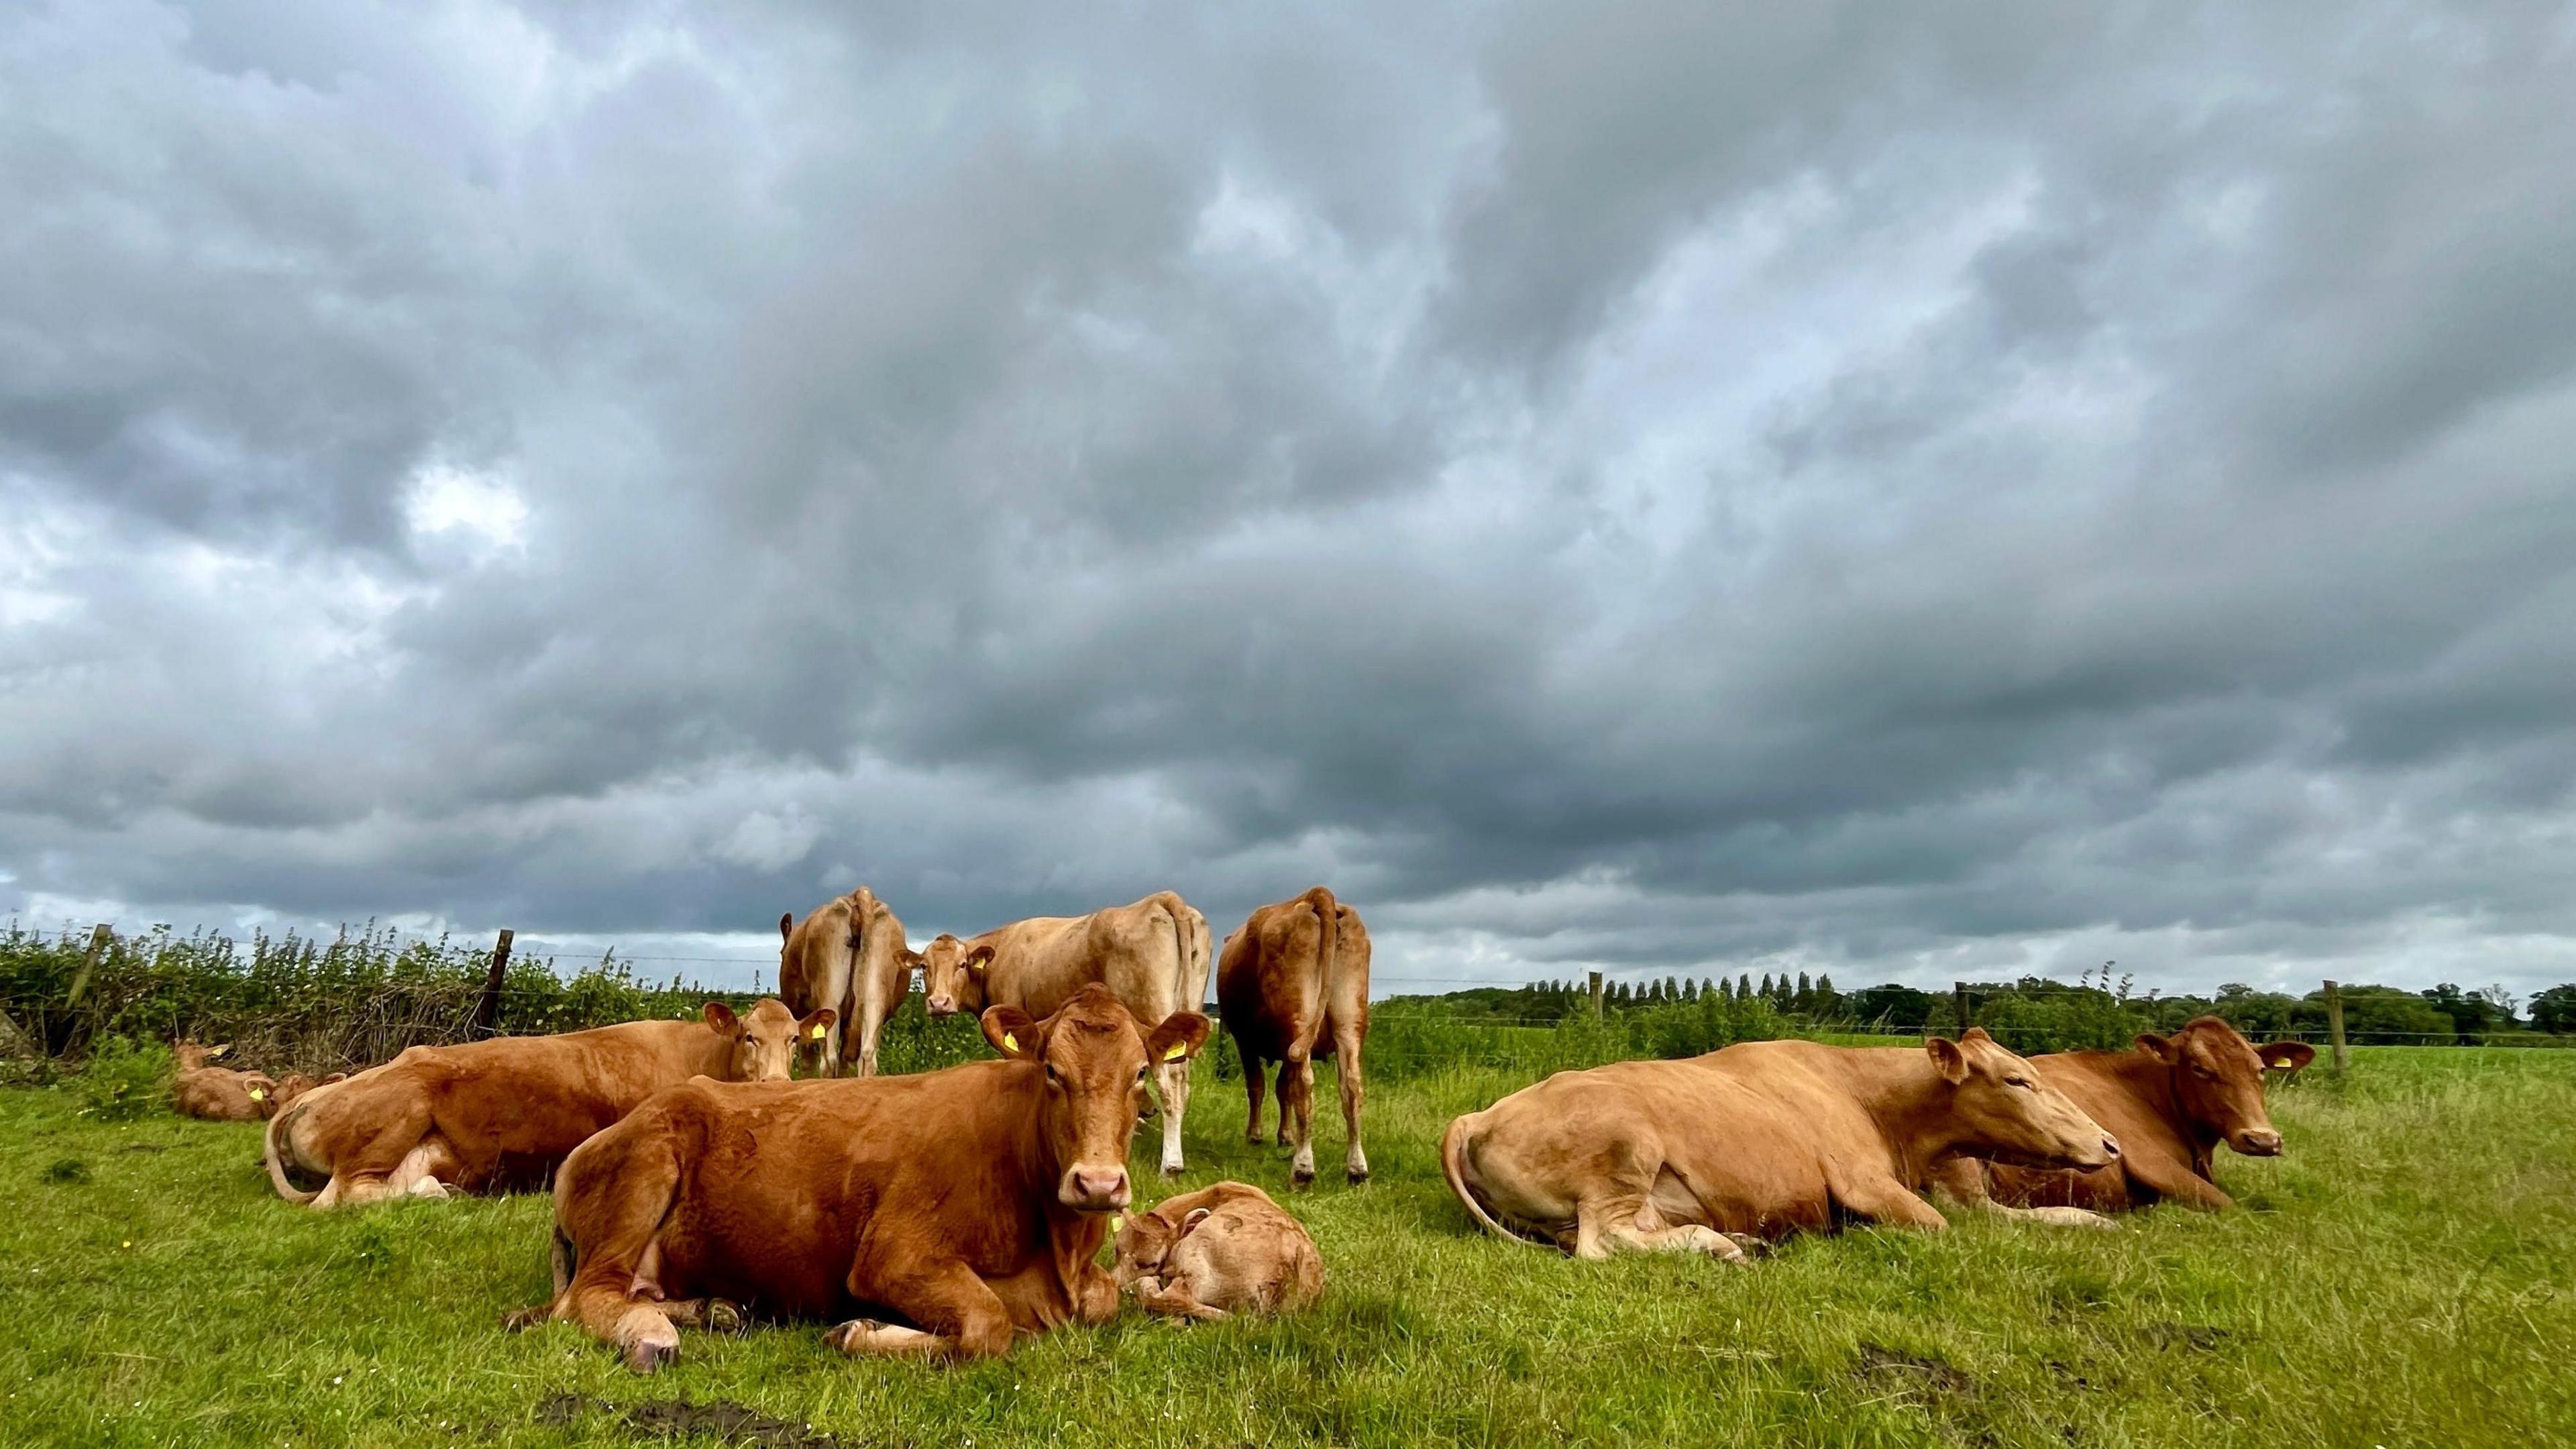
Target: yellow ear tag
(1010, 1043)
(1176, 1051)
(1117, 1223)
(2283, 1064)
(257, 1095)
(818, 1031)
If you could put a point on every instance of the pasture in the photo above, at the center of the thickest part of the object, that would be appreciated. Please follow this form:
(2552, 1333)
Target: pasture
(2405, 1275)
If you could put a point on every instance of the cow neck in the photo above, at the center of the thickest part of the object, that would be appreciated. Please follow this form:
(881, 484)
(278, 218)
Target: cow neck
(715, 1053)
(1073, 1238)
(2158, 1085)
(1911, 1110)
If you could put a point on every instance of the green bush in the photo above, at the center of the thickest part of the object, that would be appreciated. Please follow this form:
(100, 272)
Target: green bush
(124, 1081)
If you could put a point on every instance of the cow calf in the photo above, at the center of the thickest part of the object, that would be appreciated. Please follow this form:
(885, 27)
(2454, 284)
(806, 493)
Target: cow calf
(1221, 1250)
(217, 1094)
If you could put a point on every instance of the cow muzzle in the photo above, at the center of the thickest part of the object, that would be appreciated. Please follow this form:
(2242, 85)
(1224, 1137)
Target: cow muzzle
(1094, 1189)
(939, 1005)
(2258, 1142)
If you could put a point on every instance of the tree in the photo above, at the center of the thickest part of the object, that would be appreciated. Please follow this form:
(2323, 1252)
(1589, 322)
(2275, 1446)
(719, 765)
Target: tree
(2554, 1010)
(1828, 1001)
(1743, 984)
(1766, 985)
(2470, 1014)
(1805, 1000)
(1900, 1008)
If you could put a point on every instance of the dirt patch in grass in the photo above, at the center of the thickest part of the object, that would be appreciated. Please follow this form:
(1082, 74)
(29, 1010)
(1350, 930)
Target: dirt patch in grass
(725, 1421)
(1878, 1361)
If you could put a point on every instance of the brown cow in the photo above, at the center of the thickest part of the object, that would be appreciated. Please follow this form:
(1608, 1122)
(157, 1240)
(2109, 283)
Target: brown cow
(491, 1115)
(1292, 986)
(1221, 1250)
(848, 955)
(1152, 955)
(217, 1094)
(2170, 1101)
(1760, 1139)
(970, 1201)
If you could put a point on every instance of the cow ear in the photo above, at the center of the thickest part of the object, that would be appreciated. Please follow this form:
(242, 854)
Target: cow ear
(1951, 1062)
(721, 1017)
(218, 1049)
(1976, 1033)
(2287, 1056)
(978, 959)
(1011, 1032)
(2161, 1048)
(335, 1077)
(1181, 1034)
(786, 926)
(1196, 1217)
(817, 1023)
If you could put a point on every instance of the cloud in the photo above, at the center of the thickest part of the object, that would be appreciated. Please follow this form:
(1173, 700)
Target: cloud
(1656, 488)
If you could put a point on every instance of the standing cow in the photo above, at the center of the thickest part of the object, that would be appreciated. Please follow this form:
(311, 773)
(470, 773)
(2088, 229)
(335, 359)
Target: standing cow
(971, 1201)
(1757, 1140)
(1152, 955)
(1293, 985)
(848, 955)
(2171, 1101)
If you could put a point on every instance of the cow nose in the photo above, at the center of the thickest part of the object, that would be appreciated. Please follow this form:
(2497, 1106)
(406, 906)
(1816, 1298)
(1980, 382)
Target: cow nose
(2110, 1147)
(939, 1006)
(1096, 1189)
(2259, 1142)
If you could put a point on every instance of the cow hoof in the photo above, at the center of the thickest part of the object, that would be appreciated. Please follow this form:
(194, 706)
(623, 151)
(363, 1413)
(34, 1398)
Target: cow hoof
(520, 1320)
(1357, 1175)
(428, 1187)
(645, 1358)
(842, 1335)
(1174, 1169)
(1300, 1181)
(723, 1316)
(1749, 1245)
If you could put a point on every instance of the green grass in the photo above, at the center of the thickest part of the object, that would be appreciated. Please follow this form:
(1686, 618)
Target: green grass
(2406, 1275)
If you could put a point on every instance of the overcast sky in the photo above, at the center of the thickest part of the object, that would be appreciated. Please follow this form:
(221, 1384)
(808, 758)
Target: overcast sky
(1906, 492)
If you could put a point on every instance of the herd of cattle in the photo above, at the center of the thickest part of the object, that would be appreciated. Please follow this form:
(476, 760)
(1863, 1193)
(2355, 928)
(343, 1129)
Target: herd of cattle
(695, 1179)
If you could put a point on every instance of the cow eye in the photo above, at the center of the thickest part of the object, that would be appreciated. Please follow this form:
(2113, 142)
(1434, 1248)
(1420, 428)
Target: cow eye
(2022, 1082)
(1054, 1077)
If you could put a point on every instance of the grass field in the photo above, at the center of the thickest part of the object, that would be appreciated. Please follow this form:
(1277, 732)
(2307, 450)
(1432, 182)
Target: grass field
(2405, 1275)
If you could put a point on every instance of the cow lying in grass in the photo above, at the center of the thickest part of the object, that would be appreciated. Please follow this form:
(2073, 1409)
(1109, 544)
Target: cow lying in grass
(1754, 1142)
(491, 1115)
(970, 1201)
(217, 1094)
(1219, 1251)
(2171, 1100)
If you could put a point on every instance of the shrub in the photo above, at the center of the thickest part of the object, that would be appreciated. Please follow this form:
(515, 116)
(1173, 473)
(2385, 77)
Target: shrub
(124, 1081)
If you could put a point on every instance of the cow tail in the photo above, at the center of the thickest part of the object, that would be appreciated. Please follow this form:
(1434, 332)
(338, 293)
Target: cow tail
(1327, 950)
(566, 1260)
(1453, 1165)
(268, 1150)
(862, 908)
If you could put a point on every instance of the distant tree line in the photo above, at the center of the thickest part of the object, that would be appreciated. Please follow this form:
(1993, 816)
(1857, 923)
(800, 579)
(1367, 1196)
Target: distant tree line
(2036, 1013)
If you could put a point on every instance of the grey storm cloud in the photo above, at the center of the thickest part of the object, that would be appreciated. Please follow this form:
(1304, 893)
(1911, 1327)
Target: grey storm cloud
(1644, 486)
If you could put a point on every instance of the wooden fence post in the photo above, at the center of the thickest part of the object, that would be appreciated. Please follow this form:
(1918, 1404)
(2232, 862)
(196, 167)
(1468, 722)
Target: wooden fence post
(1959, 1001)
(487, 1011)
(2334, 1022)
(100, 936)
(1596, 996)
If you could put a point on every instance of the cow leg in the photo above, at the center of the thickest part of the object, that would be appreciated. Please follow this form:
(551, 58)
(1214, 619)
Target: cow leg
(1879, 1197)
(960, 1314)
(616, 1252)
(1610, 1223)
(1346, 1066)
(871, 1022)
(1299, 1097)
(1280, 1088)
(1252, 1085)
(425, 1171)
(1173, 1299)
(1176, 1105)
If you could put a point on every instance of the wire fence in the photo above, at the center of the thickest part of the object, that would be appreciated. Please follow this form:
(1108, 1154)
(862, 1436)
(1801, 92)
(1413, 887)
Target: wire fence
(296, 1002)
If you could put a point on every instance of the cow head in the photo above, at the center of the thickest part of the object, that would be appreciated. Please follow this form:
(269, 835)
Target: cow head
(2004, 1111)
(2218, 1080)
(952, 976)
(1145, 1242)
(764, 1040)
(191, 1056)
(1095, 1063)
(296, 1084)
